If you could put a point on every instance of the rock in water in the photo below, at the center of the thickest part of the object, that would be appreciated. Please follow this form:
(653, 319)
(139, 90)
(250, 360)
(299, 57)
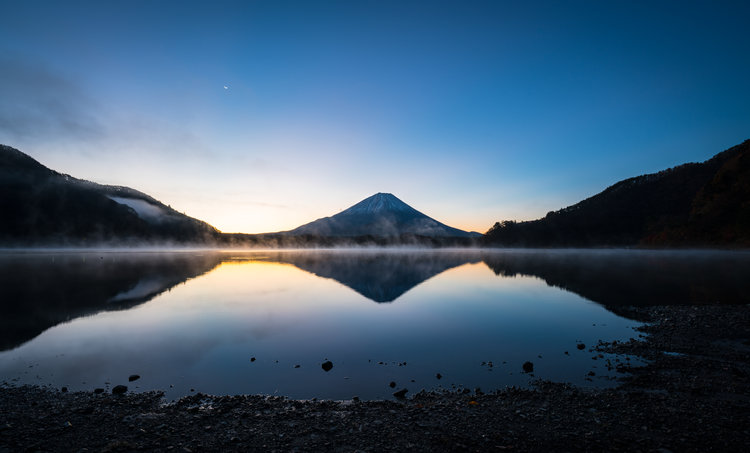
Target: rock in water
(581, 346)
(400, 394)
(327, 366)
(119, 390)
(528, 367)
(133, 377)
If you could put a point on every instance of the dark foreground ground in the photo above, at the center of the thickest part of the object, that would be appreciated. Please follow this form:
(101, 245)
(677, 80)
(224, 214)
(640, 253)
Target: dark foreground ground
(694, 395)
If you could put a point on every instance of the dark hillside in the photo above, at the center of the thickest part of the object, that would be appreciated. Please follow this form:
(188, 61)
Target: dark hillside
(42, 207)
(696, 204)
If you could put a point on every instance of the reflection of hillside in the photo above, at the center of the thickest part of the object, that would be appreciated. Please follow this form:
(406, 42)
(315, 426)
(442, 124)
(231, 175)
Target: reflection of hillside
(635, 278)
(39, 290)
(379, 276)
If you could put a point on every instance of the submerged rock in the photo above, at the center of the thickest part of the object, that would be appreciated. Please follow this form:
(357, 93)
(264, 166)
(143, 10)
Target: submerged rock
(528, 367)
(133, 377)
(327, 365)
(119, 389)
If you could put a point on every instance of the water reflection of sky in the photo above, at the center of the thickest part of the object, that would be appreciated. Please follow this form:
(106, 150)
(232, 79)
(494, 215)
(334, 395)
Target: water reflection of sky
(201, 334)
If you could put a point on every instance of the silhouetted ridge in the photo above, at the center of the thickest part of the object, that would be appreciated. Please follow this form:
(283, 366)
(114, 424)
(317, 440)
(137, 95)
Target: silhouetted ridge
(695, 204)
(43, 207)
(14, 163)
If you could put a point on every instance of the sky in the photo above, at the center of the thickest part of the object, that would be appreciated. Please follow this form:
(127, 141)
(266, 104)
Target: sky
(260, 116)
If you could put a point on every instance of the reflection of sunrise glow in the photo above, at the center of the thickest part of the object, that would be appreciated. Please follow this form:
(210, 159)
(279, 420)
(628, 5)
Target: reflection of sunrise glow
(251, 287)
(437, 310)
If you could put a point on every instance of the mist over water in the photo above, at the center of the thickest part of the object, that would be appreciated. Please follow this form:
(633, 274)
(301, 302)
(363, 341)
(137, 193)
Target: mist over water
(195, 320)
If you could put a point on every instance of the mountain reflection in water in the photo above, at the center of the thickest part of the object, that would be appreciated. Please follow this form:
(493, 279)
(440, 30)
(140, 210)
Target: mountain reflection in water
(39, 290)
(474, 317)
(379, 276)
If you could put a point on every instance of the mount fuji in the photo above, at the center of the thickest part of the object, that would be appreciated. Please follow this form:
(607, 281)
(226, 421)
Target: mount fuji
(381, 215)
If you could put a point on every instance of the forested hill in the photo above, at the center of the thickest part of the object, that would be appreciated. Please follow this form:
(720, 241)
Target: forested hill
(40, 206)
(697, 204)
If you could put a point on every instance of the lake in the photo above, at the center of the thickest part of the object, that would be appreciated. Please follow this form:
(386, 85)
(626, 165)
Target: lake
(233, 322)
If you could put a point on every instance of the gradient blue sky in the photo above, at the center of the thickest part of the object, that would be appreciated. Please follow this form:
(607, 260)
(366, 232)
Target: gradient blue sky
(472, 112)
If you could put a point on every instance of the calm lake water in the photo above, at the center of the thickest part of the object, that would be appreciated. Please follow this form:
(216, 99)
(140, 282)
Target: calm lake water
(263, 322)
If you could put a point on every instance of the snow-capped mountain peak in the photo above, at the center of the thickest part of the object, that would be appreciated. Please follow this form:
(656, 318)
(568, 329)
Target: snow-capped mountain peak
(381, 215)
(380, 202)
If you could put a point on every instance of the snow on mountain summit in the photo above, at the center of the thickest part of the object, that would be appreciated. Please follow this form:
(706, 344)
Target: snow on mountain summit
(379, 202)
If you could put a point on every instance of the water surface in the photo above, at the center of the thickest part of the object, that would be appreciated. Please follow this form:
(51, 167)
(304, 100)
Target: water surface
(264, 322)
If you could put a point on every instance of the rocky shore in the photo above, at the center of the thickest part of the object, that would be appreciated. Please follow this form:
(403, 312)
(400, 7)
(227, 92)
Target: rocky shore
(693, 395)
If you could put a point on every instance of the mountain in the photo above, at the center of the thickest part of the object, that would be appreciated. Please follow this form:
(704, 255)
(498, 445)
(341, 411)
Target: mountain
(381, 215)
(43, 207)
(693, 205)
